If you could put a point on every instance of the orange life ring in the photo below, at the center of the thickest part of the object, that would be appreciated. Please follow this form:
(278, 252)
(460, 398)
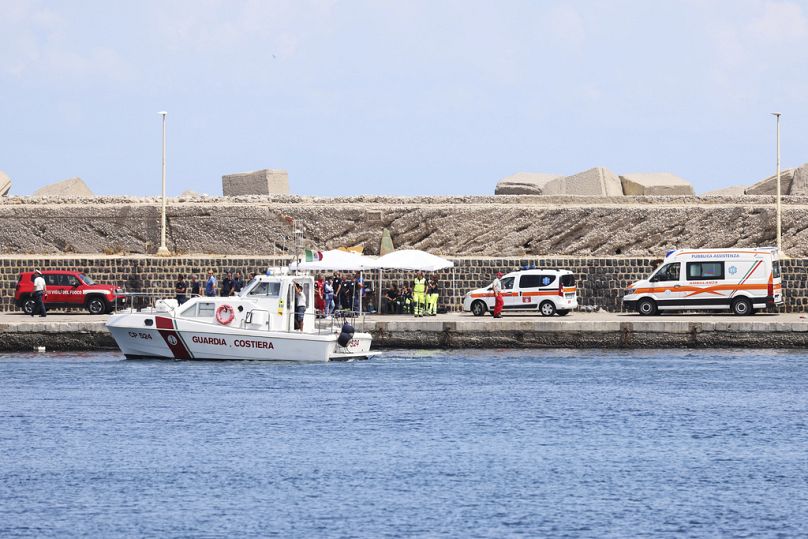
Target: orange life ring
(225, 314)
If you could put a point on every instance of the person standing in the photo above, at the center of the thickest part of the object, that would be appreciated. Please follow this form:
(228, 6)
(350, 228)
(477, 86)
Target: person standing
(319, 295)
(210, 285)
(39, 294)
(328, 297)
(496, 287)
(347, 291)
(419, 293)
(227, 284)
(300, 307)
(195, 286)
(238, 283)
(181, 289)
(358, 292)
(337, 284)
(432, 298)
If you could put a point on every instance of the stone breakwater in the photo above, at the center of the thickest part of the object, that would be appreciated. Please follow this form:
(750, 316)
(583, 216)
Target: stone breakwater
(460, 226)
(581, 330)
(601, 280)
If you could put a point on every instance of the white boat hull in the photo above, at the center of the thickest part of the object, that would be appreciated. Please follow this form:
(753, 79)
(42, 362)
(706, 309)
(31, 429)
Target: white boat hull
(175, 338)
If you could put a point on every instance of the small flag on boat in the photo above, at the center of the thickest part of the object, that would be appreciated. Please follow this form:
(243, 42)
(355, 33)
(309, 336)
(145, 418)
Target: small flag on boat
(313, 256)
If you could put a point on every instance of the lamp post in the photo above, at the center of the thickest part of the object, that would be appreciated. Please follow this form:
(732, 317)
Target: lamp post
(779, 208)
(163, 250)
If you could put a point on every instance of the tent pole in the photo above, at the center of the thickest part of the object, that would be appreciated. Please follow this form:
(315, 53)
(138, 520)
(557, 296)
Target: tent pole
(379, 301)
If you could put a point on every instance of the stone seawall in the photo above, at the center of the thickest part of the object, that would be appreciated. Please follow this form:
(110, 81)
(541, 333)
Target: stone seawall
(601, 280)
(481, 226)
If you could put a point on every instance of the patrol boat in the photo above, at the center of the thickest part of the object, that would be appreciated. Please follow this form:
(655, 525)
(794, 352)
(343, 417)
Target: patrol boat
(257, 324)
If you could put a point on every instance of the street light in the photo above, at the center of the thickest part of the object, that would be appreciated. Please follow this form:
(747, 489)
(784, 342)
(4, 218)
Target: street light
(163, 250)
(779, 209)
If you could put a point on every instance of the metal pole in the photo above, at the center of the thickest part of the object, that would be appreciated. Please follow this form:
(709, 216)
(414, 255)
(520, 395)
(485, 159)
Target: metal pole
(163, 250)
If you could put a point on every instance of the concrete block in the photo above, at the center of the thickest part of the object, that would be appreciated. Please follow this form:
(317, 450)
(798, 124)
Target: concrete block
(732, 190)
(768, 186)
(597, 181)
(5, 184)
(655, 183)
(258, 182)
(72, 187)
(528, 183)
(799, 185)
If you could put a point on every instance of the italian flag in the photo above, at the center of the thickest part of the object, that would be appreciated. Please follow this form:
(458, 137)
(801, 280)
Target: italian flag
(313, 256)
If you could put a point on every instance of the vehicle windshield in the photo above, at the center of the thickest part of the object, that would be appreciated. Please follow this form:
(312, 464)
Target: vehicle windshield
(246, 287)
(271, 290)
(86, 279)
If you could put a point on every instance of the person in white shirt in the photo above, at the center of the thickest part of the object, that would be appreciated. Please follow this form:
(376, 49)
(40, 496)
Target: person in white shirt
(496, 287)
(39, 294)
(300, 307)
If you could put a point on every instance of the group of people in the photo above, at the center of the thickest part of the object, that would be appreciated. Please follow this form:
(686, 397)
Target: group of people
(419, 299)
(341, 291)
(231, 285)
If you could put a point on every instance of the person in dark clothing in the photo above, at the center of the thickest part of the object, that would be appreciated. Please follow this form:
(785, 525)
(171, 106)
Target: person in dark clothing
(391, 296)
(227, 284)
(195, 286)
(337, 284)
(347, 292)
(238, 283)
(180, 289)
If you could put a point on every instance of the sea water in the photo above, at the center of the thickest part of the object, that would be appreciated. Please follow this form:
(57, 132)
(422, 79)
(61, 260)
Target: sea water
(424, 444)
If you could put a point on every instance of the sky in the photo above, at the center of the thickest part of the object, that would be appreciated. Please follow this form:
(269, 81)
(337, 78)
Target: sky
(398, 98)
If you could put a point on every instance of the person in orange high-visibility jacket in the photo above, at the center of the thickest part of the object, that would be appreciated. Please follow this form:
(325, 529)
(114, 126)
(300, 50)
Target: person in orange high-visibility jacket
(496, 287)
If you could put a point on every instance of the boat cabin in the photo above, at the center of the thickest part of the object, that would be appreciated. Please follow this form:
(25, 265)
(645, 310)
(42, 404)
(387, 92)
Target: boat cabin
(267, 303)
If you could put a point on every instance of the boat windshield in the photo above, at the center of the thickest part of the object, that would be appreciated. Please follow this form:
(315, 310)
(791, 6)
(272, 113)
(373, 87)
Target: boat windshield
(271, 290)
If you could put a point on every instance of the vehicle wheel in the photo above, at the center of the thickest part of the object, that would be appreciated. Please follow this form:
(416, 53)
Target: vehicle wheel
(563, 312)
(742, 307)
(28, 306)
(647, 307)
(547, 308)
(478, 308)
(96, 306)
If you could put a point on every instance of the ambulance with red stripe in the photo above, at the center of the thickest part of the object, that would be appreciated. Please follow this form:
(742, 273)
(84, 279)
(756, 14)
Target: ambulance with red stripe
(548, 291)
(739, 280)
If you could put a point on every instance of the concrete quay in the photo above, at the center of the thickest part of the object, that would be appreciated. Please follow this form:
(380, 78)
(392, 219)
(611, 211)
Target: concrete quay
(81, 332)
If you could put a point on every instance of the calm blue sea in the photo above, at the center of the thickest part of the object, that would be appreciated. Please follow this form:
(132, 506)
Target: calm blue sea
(451, 444)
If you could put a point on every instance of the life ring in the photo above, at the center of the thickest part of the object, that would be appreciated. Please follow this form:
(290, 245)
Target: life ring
(225, 314)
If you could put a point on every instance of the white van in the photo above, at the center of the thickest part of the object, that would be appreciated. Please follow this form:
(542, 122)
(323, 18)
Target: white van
(740, 280)
(548, 291)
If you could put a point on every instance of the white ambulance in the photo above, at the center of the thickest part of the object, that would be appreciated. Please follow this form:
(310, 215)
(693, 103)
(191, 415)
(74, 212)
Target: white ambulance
(548, 291)
(740, 280)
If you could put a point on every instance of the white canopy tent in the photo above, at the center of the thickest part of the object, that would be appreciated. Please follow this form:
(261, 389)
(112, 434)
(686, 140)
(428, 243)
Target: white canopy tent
(411, 259)
(337, 260)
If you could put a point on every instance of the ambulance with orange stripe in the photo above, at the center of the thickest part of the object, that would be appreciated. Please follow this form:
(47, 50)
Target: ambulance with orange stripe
(548, 291)
(739, 280)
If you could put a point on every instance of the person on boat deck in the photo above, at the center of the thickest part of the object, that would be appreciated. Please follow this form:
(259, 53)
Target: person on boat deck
(210, 284)
(300, 307)
(337, 284)
(195, 286)
(180, 289)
